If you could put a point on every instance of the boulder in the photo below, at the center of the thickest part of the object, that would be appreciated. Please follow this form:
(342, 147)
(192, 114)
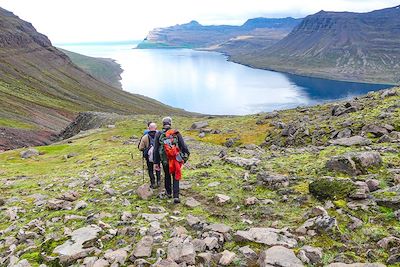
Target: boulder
(375, 130)
(331, 188)
(373, 184)
(250, 201)
(271, 115)
(144, 247)
(351, 141)
(249, 254)
(242, 162)
(389, 197)
(80, 245)
(31, 152)
(267, 236)
(273, 181)
(354, 163)
(166, 263)
(361, 191)
(340, 110)
(192, 203)
(279, 256)
(58, 204)
(221, 199)
(144, 192)
(310, 255)
(340, 264)
(219, 227)
(199, 125)
(227, 258)
(199, 245)
(118, 256)
(211, 242)
(345, 133)
(389, 93)
(181, 251)
(69, 196)
(153, 217)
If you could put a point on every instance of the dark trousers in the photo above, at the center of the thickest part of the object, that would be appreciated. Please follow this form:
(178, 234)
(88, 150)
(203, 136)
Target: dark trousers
(168, 182)
(150, 168)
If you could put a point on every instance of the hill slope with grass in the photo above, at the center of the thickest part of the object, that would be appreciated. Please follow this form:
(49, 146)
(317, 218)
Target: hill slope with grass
(41, 90)
(103, 69)
(337, 45)
(315, 186)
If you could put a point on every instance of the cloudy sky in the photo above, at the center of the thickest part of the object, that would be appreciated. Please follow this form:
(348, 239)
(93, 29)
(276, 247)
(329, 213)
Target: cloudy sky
(65, 21)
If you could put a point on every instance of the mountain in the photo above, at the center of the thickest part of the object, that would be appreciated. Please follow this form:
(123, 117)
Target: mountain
(42, 90)
(106, 70)
(338, 45)
(195, 35)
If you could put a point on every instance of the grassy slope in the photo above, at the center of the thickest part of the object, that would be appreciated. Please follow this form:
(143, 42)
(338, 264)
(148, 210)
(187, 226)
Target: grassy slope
(103, 69)
(104, 154)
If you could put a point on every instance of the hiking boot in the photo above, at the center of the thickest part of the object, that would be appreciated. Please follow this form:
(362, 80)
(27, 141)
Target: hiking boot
(168, 195)
(177, 201)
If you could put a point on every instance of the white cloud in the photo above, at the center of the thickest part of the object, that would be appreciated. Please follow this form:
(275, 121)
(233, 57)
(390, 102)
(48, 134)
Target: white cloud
(105, 20)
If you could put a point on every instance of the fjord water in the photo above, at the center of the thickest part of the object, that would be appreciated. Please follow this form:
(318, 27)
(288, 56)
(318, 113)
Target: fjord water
(206, 82)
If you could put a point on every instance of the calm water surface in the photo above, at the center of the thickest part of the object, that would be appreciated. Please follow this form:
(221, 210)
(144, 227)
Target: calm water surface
(205, 82)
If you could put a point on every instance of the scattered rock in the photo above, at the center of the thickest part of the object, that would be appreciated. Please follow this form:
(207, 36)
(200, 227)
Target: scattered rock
(340, 264)
(373, 184)
(80, 244)
(80, 205)
(153, 217)
(31, 152)
(144, 192)
(251, 201)
(351, 141)
(267, 236)
(95, 180)
(354, 163)
(310, 254)
(273, 181)
(117, 256)
(166, 263)
(192, 203)
(279, 256)
(242, 162)
(199, 125)
(249, 255)
(144, 247)
(361, 191)
(219, 227)
(58, 204)
(69, 196)
(181, 251)
(221, 199)
(227, 258)
(376, 130)
(389, 197)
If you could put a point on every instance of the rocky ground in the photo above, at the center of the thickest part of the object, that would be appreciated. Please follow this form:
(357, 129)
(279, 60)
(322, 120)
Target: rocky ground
(313, 186)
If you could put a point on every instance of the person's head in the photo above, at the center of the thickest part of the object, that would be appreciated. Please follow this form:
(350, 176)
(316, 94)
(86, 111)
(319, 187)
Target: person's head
(167, 122)
(148, 124)
(152, 126)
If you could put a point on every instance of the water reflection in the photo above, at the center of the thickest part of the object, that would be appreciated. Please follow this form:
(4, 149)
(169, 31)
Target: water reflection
(205, 82)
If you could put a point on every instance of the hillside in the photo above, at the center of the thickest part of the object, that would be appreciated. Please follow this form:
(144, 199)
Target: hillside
(337, 45)
(314, 186)
(41, 90)
(195, 35)
(103, 69)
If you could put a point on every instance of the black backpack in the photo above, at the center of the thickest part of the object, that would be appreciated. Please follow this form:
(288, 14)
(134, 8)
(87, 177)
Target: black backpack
(148, 151)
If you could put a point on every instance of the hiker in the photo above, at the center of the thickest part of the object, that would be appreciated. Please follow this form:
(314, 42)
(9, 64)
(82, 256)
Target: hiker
(171, 151)
(146, 145)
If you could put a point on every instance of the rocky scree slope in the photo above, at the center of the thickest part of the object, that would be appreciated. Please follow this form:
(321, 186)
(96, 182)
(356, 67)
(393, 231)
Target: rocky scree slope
(337, 45)
(256, 192)
(41, 90)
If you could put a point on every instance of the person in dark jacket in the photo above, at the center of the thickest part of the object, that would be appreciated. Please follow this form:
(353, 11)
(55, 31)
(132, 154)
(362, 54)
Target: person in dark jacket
(160, 157)
(146, 145)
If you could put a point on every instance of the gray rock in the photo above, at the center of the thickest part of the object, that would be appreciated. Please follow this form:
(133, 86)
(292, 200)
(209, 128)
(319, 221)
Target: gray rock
(389, 242)
(271, 115)
(351, 141)
(153, 217)
(58, 204)
(166, 263)
(80, 205)
(31, 152)
(95, 180)
(340, 264)
(202, 134)
(221, 199)
(79, 246)
(101, 263)
(249, 254)
(273, 181)
(181, 251)
(199, 245)
(116, 256)
(204, 258)
(192, 203)
(354, 163)
(21, 263)
(199, 125)
(389, 93)
(373, 184)
(69, 196)
(144, 247)
(227, 258)
(267, 236)
(219, 227)
(345, 133)
(389, 197)
(376, 130)
(211, 242)
(361, 191)
(279, 256)
(144, 191)
(310, 254)
(242, 162)
(251, 201)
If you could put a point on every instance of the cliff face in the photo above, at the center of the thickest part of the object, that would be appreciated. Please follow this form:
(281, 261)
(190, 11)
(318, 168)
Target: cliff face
(344, 45)
(195, 35)
(42, 90)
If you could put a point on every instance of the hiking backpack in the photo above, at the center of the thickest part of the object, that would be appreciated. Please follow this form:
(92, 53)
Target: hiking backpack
(169, 147)
(148, 152)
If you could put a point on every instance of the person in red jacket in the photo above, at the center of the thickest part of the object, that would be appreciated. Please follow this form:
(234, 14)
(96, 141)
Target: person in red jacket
(171, 151)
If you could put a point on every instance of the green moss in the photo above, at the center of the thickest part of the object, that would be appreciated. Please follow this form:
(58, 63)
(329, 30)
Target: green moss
(332, 189)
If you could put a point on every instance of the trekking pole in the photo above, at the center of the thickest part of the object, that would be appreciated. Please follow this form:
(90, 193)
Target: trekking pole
(143, 168)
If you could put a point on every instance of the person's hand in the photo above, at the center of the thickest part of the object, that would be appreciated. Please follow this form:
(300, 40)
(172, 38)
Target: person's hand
(157, 167)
